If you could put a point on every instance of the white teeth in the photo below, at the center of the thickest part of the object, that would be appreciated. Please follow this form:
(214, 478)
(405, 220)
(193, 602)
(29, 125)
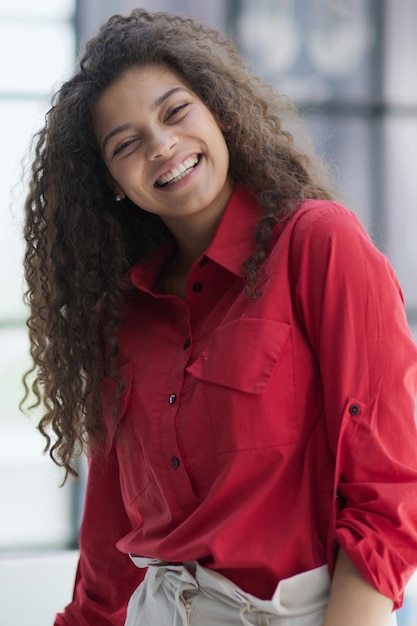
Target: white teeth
(177, 172)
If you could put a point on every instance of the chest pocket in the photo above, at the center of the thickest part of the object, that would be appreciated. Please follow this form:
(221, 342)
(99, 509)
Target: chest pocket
(247, 384)
(134, 475)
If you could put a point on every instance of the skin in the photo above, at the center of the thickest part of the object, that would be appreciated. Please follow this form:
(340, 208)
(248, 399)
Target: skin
(148, 123)
(353, 601)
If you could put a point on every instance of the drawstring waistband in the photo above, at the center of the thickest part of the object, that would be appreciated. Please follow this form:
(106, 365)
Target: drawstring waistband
(194, 592)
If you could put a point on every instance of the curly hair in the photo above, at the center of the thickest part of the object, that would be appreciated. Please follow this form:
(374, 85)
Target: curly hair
(79, 243)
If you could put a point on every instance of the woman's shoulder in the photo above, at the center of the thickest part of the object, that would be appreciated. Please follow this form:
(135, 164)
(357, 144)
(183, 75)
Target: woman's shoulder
(323, 213)
(319, 220)
(323, 232)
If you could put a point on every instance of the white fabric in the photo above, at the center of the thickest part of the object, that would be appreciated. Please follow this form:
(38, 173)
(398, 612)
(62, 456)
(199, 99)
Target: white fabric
(191, 595)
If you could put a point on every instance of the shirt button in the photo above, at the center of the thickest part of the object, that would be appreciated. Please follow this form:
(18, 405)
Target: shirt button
(203, 262)
(354, 409)
(187, 343)
(172, 398)
(175, 462)
(197, 287)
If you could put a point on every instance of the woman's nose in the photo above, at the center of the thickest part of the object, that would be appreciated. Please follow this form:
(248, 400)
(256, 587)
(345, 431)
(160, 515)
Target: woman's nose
(161, 142)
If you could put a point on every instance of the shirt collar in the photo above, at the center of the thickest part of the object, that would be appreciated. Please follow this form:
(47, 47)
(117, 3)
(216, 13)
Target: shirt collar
(234, 239)
(144, 274)
(232, 243)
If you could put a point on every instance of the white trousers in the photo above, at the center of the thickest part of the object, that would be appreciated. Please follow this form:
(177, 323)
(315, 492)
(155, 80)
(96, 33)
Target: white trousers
(191, 595)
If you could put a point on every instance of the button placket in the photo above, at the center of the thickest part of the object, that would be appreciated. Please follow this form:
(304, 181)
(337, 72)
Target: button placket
(197, 285)
(174, 460)
(175, 472)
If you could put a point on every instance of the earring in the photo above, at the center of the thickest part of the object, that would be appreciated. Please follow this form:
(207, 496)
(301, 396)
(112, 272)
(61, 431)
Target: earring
(119, 197)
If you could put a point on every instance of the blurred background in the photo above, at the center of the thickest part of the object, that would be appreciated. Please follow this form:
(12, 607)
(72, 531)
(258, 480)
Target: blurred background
(350, 66)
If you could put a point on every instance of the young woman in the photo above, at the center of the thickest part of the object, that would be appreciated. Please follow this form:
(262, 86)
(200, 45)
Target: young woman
(227, 341)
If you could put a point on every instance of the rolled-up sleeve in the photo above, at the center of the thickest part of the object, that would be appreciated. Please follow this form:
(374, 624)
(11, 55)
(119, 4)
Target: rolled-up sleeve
(352, 309)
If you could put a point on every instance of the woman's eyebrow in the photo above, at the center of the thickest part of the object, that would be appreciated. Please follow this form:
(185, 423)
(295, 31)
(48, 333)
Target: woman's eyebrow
(165, 96)
(114, 132)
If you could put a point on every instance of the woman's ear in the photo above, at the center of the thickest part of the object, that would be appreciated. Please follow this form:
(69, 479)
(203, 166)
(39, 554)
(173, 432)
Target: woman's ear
(119, 194)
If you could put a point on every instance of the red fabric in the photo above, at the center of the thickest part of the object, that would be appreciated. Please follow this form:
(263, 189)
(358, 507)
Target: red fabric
(258, 434)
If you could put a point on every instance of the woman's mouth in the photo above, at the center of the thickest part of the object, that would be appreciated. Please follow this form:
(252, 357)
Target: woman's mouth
(179, 172)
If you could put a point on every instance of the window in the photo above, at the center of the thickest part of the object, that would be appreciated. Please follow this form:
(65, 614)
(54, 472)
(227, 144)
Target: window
(37, 47)
(349, 66)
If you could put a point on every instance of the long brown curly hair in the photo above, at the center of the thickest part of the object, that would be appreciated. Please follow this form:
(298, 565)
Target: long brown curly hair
(80, 243)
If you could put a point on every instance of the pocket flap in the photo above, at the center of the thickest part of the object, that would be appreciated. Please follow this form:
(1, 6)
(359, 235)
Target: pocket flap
(242, 354)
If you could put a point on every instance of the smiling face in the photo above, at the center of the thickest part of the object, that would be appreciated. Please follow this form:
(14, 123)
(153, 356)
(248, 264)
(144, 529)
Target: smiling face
(162, 146)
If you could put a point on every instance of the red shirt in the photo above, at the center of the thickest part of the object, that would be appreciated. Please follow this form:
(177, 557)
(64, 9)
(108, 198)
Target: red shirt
(257, 434)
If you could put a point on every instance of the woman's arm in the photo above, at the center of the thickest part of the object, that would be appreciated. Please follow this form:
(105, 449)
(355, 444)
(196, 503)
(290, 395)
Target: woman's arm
(353, 601)
(350, 304)
(105, 577)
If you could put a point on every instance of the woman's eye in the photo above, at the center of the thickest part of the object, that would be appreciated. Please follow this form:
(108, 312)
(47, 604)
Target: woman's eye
(123, 146)
(177, 109)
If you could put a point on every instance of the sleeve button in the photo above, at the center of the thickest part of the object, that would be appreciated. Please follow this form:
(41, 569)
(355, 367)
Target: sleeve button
(354, 409)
